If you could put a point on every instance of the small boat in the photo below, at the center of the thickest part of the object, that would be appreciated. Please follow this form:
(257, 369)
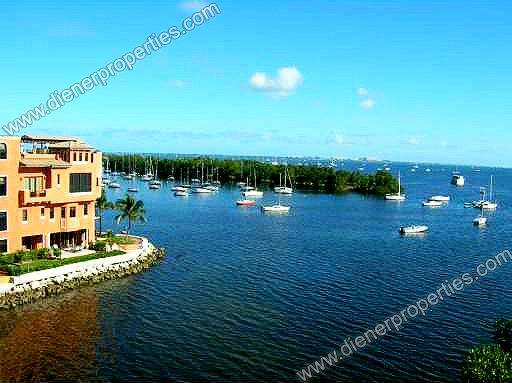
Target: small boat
(179, 188)
(212, 188)
(432, 203)
(458, 180)
(398, 196)
(133, 190)
(253, 193)
(154, 186)
(181, 193)
(488, 205)
(200, 190)
(170, 178)
(428, 170)
(114, 185)
(413, 229)
(246, 202)
(440, 198)
(276, 209)
(480, 221)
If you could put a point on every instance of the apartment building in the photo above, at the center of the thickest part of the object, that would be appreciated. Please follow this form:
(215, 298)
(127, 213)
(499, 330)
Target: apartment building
(48, 189)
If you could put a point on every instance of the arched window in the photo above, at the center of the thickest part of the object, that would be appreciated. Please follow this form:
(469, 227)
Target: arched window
(3, 151)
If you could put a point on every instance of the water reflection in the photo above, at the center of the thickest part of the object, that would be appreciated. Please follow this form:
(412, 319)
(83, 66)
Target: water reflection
(50, 341)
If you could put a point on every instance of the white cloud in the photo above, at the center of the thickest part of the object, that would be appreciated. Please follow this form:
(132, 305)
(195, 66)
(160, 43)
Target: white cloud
(362, 92)
(192, 5)
(413, 141)
(283, 85)
(176, 83)
(338, 139)
(368, 103)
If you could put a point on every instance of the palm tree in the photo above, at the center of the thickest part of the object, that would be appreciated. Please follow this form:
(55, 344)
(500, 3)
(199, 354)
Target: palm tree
(130, 209)
(102, 204)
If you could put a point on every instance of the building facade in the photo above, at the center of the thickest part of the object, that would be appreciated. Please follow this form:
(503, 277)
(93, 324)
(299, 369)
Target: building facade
(48, 189)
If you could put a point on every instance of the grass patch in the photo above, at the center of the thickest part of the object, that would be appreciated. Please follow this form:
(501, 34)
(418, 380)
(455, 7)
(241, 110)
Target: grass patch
(7, 264)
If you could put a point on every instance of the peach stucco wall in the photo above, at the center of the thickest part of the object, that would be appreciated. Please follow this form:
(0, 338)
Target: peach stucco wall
(56, 196)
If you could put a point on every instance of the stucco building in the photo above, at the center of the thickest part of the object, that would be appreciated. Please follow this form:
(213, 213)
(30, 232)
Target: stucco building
(48, 189)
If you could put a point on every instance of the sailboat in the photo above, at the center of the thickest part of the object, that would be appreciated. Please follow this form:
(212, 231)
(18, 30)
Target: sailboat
(398, 196)
(155, 183)
(276, 208)
(489, 205)
(254, 192)
(284, 189)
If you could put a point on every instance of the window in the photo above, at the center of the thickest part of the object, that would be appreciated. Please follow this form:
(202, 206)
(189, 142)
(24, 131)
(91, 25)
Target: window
(3, 186)
(33, 184)
(72, 212)
(3, 245)
(87, 156)
(24, 217)
(92, 157)
(80, 182)
(58, 179)
(86, 210)
(42, 212)
(3, 221)
(3, 151)
(80, 157)
(62, 212)
(74, 156)
(97, 181)
(52, 213)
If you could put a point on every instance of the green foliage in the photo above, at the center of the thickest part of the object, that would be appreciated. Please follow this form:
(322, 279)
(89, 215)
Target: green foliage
(303, 177)
(487, 364)
(131, 210)
(102, 204)
(491, 363)
(98, 246)
(38, 265)
(503, 334)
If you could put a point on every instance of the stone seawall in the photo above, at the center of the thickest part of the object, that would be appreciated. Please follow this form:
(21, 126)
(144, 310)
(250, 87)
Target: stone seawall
(33, 286)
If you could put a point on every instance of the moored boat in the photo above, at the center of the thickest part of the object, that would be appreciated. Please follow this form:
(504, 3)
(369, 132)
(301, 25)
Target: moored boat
(416, 229)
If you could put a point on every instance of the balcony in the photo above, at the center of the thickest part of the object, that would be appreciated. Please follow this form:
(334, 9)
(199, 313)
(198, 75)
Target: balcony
(30, 197)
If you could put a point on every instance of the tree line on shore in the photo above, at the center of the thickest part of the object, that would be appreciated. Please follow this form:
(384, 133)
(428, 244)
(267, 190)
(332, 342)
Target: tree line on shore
(312, 178)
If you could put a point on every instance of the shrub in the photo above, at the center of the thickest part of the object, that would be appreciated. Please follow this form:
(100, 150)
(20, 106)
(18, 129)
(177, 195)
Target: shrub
(487, 364)
(99, 246)
(18, 256)
(42, 253)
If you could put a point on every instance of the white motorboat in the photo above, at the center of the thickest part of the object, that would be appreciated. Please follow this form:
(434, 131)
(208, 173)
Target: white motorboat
(154, 186)
(398, 196)
(181, 193)
(179, 188)
(253, 193)
(413, 229)
(480, 221)
(133, 190)
(488, 205)
(212, 188)
(276, 209)
(114, 185)
(458, 180)
(432, 203)
(440, 198)
(201, 190)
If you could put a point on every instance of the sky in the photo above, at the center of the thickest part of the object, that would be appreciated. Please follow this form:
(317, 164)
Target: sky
(411, 81)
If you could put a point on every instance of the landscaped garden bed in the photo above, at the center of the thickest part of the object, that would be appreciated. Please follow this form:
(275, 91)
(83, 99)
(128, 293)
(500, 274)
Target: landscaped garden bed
(23, 262)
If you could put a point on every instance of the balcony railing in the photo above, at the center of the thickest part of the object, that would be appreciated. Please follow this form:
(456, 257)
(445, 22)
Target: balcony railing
(29, 196)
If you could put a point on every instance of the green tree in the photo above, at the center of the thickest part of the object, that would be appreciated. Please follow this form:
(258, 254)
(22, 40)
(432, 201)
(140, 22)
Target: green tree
(102, 204)
(491, 363)
(131, 210)
(487, 364)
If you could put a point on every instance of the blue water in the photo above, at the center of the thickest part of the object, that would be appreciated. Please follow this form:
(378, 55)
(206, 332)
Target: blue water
(246, 296)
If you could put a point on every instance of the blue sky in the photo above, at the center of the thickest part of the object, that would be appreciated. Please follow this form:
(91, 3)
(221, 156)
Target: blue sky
(402, 80)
